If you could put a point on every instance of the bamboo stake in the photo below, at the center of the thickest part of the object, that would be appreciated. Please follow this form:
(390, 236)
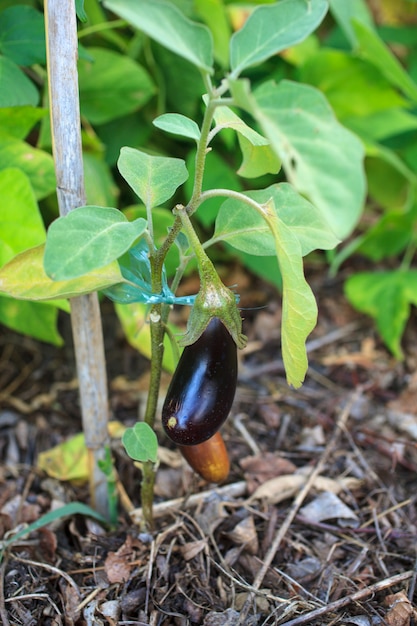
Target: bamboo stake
(61, 45)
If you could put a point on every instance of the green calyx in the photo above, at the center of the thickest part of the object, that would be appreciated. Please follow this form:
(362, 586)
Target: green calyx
(214, 300)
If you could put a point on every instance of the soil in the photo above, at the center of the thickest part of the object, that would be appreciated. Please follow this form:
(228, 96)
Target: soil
(316, 523)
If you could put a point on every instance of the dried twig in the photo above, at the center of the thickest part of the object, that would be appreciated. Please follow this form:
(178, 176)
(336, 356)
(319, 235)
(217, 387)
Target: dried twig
(295, 507)
(50, 568)
(353, 597)
(162, 508)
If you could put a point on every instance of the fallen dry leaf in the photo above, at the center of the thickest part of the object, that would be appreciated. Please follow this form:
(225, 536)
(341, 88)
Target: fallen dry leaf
(244, 533)
(262, 467)
(117, 564)
(400, 610)
(284, 487)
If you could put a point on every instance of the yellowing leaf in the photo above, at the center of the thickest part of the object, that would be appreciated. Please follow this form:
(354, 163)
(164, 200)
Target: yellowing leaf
(68, 460)
(24, 278)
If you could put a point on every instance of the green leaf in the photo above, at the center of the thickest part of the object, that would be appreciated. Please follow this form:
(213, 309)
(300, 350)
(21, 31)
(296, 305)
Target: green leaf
(19, 120)
(68, 510)
(164, 23)
(389, 180)
(383, 124)
(35, 319)
(86, 239)
(386, 297)
(36, 164)
(344, 79)
(21, 224)
(141, 443)
(372, 48)
(273, 28)
(257, 160)
(24, 278)
(112, 86)
(134, 319)
(244, 228)
(22, 35)
(321, 158)
(389, 236)
(299, 309)
(154, 179)
(100, 188)
(16, 88)
(81, 14)
(178, 124)
(214, 14)
(343, 13)
(226, 118)
(258, 156)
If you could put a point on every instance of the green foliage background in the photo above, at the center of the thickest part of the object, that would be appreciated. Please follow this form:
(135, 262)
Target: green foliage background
(366, 71)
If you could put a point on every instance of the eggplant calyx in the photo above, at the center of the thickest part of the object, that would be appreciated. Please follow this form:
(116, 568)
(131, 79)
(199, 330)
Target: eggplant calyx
(214, 300)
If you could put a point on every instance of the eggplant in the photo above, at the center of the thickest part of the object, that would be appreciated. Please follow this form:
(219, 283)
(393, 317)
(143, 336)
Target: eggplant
(202, 388)
(209, 459)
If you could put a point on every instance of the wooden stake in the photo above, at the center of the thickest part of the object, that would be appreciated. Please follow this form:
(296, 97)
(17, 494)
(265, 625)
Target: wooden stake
(62, 53)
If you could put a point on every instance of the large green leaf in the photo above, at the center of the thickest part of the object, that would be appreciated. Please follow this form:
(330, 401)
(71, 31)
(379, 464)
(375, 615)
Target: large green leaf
(345, 79)
(36, 164)
(154, 179)
(214, 13)
(35, 319)
(386, 297)
(163, 22)
(344, 12)
(112, 86)
(86, 239)
(321, 158)
(22, 35)
(244, 228)
(19, 120)
(273, 28)
(100, 188)
(372, 48)
(21, 224)
(24, 278)
(16, 88)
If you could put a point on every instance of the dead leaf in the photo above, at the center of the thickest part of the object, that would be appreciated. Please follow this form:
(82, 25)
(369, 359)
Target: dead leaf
(263, 467)
(400, 610)
(117, 564)
(192, 548)
(284, 487)
(327, 506)
(244, 533)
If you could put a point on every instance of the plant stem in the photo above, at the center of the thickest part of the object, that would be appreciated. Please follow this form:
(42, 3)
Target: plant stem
(61, 45)
(205, 266)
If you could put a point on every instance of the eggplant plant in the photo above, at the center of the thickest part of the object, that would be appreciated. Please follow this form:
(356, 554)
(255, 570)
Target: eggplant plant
(286, 131)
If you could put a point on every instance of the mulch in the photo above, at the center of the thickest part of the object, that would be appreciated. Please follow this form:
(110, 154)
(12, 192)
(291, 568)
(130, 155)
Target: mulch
(316, 523)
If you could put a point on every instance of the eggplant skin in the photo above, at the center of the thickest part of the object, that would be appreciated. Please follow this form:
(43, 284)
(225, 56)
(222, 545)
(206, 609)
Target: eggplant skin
(202, 388)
